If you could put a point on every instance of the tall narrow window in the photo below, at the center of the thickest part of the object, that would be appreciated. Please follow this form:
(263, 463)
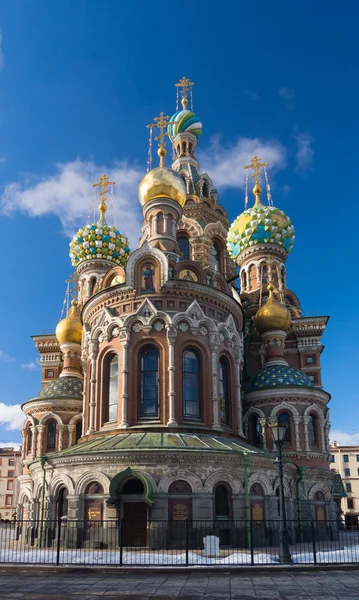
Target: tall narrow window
(313, 429)
(284, 419)
(149, 381)
(113, 390)
(78, 431)
(51, 435)
(191, 391)
(183, 243)
(215, 257)
(221, 501)
(223, 371)
(254, 431)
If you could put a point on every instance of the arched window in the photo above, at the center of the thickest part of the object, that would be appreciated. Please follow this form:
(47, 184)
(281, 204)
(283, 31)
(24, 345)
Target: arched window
(62, 503)
(278, 501)
(224, 390)
(205, 190)
(149, 381)
(215, 257)
(180, 487)
(221, 501)
(183, 243)
(284, 419)
(313, 429)
(191, 384)
(94, 488)
(78, 431)
(28, 440)
(244, 281)
(51, 435)
(254, 431)
(91, 285)
(113, 389)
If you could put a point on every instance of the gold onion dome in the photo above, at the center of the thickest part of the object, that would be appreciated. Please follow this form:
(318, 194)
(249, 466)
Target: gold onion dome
(272, 315)
(70, 328)
(162, 183)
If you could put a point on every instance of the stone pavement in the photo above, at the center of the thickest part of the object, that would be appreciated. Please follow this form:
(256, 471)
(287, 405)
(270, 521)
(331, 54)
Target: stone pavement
(291, 585)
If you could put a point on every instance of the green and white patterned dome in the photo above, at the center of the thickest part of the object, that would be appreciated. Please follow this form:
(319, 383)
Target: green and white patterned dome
(99, 241)
(260, 225)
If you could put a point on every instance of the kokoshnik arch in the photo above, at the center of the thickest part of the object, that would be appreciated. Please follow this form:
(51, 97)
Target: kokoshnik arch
(159, 384)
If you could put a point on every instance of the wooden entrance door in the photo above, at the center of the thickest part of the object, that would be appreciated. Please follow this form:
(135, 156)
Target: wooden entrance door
(135, 523)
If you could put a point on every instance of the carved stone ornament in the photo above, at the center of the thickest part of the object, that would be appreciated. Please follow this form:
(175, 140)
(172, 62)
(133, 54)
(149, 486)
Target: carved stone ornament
(115, 332)
(158, 326)
(203, 330)
(136, 327)
(183, 327)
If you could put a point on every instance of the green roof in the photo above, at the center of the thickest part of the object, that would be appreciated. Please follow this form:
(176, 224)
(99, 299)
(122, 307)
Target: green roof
(63, 387)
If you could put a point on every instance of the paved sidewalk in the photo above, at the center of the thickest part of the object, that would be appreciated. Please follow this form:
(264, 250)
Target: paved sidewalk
(314, 585)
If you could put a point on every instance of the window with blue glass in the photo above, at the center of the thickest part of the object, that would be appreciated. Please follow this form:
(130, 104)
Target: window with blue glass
(332, 458)
(149, 381)
(113, 390)
(191, 384)
(183, 243)
(215, 257)
(346, 457)
(51, 435)
(284, 419)
(313, 429)
(347, 472)
(224, 390)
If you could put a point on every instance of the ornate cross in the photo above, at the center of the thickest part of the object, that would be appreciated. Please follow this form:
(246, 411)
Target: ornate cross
(255, 164)
(103, 183)
(184, 85)
(161, 123)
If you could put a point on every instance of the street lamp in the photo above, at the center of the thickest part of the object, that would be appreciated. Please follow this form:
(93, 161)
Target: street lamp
(278, 434)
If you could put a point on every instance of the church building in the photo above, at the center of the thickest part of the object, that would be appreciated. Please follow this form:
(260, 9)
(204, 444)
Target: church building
(160, 384)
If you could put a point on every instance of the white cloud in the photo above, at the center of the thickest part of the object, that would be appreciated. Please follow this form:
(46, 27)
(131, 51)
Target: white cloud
(304, 153)
(5, 357)
(225, 164)
(1, 52)
(69, 195)
(11, 416)
(31, 365)
(344, 438)
(15, 445)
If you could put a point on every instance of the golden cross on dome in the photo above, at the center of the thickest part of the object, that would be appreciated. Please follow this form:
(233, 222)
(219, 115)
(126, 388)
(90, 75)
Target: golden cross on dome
(73, 285)
(103, 183)
(161, 123)
(184, 85)
(255, 164)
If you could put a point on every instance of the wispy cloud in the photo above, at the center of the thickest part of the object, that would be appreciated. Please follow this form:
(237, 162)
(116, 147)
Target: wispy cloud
(252, 95)
(287, 94)
(344, 438)
(5, 357)
(224, 164)
(1, 51)
(304, 152)
(68, 194)
(14, 445)
(31, 365)
(11, 416)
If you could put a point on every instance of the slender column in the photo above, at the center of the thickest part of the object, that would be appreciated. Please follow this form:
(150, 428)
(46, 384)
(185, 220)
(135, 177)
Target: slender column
(214, 345)
(174, 224)
(70, 428)
(61, 437)
(125, 335)
(93, 356)
(165, 222)
(238, 390)
(155, 225)
(263, 424)
(296, 431)
(306, 432)
(322, 434)
(24, 444)
(40, 449)
(84, 395)
(33, 441)
(171, 336)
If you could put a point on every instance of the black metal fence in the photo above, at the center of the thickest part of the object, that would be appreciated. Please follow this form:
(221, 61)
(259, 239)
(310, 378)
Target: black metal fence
(171, 543)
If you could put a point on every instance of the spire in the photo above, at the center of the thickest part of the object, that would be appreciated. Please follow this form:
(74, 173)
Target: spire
(184, 86)
(103, 183)
(161, 122)
(255, 164)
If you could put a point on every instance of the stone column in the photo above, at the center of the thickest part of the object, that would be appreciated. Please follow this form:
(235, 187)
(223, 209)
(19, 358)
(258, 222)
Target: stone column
(214, 345)
(125, 335)
(263, 424)
(24, 444)
(306, 432)
(93, 357)
(171, 337)
(296, 432)
(321, 422)
(84, 396)
(237, 356)
(61, 429)
(33, 429)
(174, 225)
(165, 220)
(155, 227)
(70, 428)
(40, 440)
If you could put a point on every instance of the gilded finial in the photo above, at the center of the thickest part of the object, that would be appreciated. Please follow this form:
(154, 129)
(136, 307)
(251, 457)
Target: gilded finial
(184, 86)
(255, 164)
(103, 183)
(161, 123)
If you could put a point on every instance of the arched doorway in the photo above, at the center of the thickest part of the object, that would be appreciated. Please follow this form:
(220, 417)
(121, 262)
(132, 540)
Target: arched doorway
(256, 494)
(134, 512)
(94, 502)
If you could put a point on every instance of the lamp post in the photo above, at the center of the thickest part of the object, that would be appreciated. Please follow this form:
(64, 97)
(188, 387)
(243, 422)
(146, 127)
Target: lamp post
(278, 433)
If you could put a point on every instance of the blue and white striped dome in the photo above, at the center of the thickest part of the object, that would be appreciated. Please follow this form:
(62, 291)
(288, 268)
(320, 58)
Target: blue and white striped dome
(184, 120)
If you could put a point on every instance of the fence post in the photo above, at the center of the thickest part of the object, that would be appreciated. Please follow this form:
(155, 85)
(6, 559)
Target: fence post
(186, 542)
(251, 539)
(121, 542)
(58, 541)
(313, 540)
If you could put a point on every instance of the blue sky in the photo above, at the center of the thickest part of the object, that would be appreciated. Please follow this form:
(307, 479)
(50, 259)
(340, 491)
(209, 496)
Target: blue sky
(80, 80)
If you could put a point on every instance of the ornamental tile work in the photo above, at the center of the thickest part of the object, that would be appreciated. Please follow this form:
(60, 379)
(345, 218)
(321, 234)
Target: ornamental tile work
(278, 376)
(184, 120)
(64, 387)
(260, 225)
(99, 241)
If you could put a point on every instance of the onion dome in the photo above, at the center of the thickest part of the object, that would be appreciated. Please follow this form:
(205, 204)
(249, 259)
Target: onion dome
(260, 225)
(279, 376)
(184, 121)
(162, 183)
(99, 241)
(272, 315)
(70, 328)
(64, 387)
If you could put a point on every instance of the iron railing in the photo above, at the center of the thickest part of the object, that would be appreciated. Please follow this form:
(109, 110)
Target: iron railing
(171, 543)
